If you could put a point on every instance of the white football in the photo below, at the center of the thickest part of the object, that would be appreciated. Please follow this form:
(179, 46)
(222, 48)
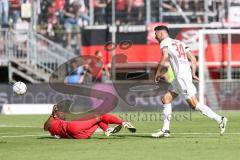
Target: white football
(19, 88)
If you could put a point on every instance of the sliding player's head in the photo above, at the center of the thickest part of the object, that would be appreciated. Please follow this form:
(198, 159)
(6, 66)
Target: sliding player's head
(161, 32)
(59, 111)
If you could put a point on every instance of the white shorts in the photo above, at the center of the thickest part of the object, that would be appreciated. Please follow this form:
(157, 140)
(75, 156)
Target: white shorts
(183, 86)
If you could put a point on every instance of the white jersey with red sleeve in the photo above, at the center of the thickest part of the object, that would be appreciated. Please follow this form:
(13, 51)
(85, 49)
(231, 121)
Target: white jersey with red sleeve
(177, 52)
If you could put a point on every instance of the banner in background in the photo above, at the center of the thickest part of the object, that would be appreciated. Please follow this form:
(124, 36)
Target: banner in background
(42, 94)
(145, 48)
(227, 95)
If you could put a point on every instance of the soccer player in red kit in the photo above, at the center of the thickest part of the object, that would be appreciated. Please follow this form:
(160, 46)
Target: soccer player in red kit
(60, 128)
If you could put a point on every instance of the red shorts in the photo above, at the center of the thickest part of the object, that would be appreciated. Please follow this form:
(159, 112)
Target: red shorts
(82, 129)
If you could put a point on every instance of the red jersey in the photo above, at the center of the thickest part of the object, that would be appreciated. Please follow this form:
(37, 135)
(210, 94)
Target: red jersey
(73, 129)
(138, 3)
(58, 128)
(121, 5)
(15, 4)
(58, 4)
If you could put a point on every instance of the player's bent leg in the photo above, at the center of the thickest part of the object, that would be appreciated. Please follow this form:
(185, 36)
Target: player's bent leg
(111, 119)
(85, 134)
(192, 102)
(168, 97)
(205, 110)
(75, 127)
(109, 131)
(167, 112)
(103, 126)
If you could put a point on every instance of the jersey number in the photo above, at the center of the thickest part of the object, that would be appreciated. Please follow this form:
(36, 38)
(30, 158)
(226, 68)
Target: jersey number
(180, 50)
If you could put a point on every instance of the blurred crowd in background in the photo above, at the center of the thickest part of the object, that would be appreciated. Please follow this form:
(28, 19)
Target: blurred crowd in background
(93, 70)
(62, 20)
(127, 11)
(69, 16)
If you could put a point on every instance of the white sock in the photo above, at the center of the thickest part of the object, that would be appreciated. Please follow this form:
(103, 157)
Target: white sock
(208, 112)
(167, 112)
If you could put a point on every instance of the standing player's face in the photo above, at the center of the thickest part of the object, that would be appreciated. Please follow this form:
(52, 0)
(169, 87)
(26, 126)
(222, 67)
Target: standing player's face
(159, 35)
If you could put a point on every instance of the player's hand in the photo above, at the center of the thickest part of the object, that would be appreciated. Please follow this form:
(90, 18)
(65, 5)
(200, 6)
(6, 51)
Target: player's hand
(195, 78)
(157, 78)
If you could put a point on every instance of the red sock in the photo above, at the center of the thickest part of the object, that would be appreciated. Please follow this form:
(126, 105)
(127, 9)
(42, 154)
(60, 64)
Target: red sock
(110, 119)
(103, 126)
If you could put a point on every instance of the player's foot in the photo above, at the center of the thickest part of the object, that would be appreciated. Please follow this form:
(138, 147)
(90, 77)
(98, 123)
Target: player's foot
(161, 133)
(129, 126)
(223, 125)
(116, 129)
(109, 131)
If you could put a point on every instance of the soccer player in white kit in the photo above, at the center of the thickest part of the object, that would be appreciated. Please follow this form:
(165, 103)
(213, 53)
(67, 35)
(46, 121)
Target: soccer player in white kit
(179, 55)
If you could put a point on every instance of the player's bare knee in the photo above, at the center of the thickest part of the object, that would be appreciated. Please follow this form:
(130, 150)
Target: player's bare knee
(192, 106)
(192, 102)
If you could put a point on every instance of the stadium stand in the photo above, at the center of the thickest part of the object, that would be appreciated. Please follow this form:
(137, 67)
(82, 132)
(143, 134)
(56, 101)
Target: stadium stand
(62, 28)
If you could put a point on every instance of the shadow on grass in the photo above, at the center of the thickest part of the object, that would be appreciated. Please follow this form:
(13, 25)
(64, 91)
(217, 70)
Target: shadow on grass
(120, 136)
(3, 141)
(171, 137)
(94, 137)
(46, 137)
(132, 135)
(199, 137)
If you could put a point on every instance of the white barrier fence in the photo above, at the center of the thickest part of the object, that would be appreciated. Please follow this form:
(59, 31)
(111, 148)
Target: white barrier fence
(26, 109)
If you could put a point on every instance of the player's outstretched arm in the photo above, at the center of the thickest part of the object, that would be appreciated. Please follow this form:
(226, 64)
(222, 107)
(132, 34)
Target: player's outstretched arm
(193, 61)
(160, 71)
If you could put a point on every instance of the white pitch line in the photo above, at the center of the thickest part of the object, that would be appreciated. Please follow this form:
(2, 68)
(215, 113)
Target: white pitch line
(236, 133)
(19, 136)
(8, 133)
(12, 126)
(195, 133)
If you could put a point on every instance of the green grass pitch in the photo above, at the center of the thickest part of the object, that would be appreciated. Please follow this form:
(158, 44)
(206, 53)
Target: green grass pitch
(22, 138)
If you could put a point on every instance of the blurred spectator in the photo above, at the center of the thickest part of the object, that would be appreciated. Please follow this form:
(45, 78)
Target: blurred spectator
(15, 10)
(2, 46)
(71, 13)
(135, 9)
(44, 5)
(103, 73)
(4, 9)
(197, 6)
(184, 4)
(193, 7)
(83, 13)
(58, 6)
(222, 10)
(121, 10)
(55, 17)
(75, 74)
(155, 10)
(168, 7)
(100, 9)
